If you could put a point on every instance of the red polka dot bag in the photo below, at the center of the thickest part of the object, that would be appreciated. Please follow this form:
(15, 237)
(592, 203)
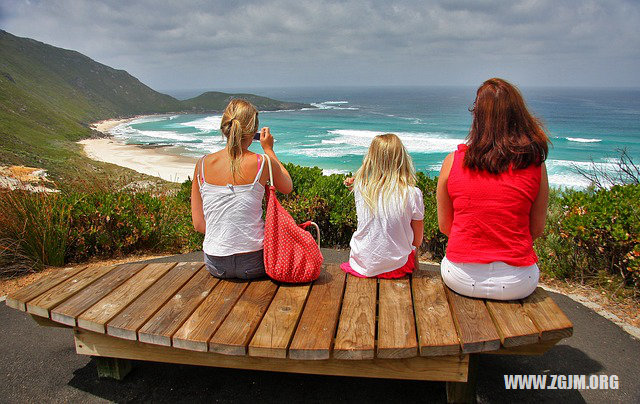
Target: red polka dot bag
(290, 252)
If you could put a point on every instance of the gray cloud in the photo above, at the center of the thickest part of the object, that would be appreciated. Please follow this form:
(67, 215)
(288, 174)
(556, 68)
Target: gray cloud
(215, 44)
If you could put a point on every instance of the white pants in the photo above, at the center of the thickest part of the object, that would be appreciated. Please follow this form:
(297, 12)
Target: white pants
(496, 280)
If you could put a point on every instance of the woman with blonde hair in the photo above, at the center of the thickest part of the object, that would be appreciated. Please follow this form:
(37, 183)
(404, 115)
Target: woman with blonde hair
(390, 211)
(492, 198)
(227, 193)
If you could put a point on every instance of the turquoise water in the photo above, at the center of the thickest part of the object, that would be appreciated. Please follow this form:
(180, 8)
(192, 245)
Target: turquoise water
(585, 125)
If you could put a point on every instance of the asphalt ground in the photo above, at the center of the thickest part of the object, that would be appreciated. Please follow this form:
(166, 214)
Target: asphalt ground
(39, 364)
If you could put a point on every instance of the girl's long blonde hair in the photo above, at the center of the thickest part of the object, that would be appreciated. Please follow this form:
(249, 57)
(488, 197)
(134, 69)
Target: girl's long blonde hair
(387, 170)
(239, 121)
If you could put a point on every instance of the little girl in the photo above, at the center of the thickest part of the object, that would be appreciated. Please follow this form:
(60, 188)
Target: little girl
(390, 212)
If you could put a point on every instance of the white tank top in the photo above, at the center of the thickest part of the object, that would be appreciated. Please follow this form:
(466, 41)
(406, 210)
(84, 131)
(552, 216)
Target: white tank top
(233, 216)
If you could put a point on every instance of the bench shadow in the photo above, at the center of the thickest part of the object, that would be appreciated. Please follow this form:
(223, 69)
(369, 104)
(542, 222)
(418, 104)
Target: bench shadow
(162, 382)
(559, 360)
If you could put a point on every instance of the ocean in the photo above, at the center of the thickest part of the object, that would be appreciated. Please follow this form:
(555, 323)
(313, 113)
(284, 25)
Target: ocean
(586, 126)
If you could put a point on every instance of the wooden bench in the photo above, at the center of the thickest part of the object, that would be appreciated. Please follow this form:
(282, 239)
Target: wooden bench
(339, 325)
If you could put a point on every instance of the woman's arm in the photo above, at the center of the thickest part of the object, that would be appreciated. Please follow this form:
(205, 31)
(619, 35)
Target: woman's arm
(538, 216)
(418, 232)
(348, 182)
(197, 214)
(445, 205)
(281, 178)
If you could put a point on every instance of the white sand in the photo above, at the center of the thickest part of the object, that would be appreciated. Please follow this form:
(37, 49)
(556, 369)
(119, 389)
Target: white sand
(108, 124)
(155, 161)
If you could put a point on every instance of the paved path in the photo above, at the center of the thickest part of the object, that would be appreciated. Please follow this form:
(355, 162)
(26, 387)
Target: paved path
(39, 364)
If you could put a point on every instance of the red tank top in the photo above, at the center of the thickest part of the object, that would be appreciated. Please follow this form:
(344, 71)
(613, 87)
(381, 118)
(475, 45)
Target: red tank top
(491, 214)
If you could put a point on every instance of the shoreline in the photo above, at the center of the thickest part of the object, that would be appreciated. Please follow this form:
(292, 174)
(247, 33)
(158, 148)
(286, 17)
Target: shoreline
(168, 163)
(154, 161)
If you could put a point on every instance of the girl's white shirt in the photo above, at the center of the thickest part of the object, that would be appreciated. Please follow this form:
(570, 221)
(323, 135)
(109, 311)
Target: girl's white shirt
(384, 241)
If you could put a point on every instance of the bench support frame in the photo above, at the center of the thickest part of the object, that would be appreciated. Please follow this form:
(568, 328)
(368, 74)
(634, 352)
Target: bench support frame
(458, 392)
(113, 368)
(438, 368)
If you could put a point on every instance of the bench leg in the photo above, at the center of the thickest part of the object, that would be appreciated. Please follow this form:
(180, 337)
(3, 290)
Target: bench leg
(113, 368)
(465, 392)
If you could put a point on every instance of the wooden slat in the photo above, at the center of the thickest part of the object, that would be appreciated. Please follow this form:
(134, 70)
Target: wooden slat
(162, 325)
(514, 326)
(42, 304)
(198, 329)
(355, 338)
(317, 327)
(396, 322)
(105, 309)
(67, 312)
(551, 322)
(274, 333)
(238, 328)
(127, 323)
(473, 322)
(19, 298)
(436, 330)
(443, 368)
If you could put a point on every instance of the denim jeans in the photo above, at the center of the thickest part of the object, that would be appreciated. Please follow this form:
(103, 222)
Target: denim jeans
(239, 266)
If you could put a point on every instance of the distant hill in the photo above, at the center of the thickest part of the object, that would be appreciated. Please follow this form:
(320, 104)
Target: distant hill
(49, 95)
(217, 101)
(73, 84)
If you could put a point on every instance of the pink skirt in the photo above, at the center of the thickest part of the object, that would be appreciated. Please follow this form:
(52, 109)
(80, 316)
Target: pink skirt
(406, 269)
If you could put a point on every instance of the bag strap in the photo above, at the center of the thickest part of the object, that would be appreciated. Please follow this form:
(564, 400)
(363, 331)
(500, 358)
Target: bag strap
(310, 223)
(305, 224)
(202, 170)
(266, 156)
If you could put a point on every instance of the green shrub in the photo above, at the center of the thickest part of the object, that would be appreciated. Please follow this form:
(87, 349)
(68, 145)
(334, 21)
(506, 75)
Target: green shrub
(434, 241)
(106, 224)
(604, 225)
(323, 199)
(38, 230)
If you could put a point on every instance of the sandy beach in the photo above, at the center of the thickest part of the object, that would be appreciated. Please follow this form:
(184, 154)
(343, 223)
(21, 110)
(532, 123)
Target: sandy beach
(108, 124)
(156, 161)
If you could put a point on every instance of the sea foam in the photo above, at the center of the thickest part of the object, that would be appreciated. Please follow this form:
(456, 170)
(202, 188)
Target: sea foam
(583, 140)
(566, 173)
(415, 142)
(206, 124)
(330, 105)
(330, 171)
(153, 136)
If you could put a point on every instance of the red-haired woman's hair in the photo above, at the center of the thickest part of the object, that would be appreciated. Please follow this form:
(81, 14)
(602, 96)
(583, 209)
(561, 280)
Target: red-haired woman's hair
(503, 132)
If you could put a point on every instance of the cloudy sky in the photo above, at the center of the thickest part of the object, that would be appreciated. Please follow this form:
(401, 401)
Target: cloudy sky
(191, 44)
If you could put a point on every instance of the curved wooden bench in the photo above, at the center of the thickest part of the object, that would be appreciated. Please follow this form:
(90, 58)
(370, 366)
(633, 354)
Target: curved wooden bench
(339, 325)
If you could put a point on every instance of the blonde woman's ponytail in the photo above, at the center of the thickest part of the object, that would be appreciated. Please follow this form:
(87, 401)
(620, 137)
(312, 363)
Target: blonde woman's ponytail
(234, 146)
(239, 122)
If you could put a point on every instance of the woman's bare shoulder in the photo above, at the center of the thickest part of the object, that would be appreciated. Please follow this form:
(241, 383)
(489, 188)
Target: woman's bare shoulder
(447, 163)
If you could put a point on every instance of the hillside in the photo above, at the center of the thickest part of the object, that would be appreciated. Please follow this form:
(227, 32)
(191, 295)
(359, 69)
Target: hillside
(49, 95)
(217, 101)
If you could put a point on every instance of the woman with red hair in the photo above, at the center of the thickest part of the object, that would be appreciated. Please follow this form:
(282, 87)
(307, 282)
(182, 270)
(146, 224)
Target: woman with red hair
(492, 196)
